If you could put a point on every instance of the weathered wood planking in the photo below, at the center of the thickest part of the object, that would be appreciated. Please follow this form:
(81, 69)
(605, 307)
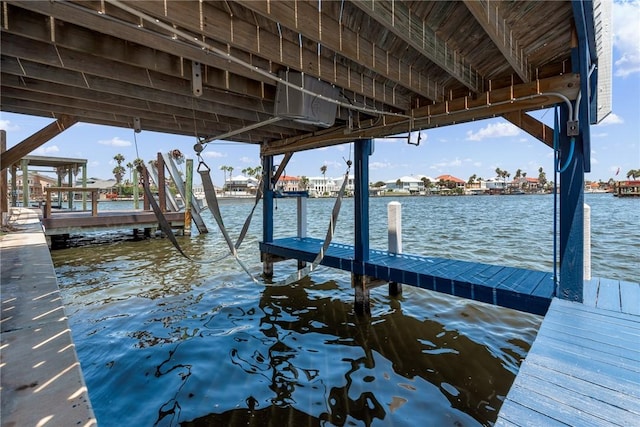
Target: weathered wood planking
(616, 295)
(583, 369)
(75, 222)
(526, 290)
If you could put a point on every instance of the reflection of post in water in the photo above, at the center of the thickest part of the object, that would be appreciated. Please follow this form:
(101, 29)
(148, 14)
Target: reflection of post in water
(415, 348)
(172, 406)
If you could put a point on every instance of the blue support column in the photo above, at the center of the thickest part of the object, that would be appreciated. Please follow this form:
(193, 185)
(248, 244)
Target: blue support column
(575, 154)
(363, 149)
(571, 213)
(267, 213)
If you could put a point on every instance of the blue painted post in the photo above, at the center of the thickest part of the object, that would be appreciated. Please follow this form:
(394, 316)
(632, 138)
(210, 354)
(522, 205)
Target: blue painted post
(576, 156)
(363, 149)
(571, 213)
(267, 213)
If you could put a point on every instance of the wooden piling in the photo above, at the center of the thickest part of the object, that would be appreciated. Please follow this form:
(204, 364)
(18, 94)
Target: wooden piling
(188, 187)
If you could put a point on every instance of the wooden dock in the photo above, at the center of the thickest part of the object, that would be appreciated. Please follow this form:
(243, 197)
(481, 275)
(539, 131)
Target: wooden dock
(584, 365)
(520, 289)
(42, 383)
(82, 222)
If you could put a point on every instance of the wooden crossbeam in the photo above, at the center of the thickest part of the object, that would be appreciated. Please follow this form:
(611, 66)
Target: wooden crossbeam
(489, 17)
(26, 146)
(397, 17)
(532, 126)
(523, 97)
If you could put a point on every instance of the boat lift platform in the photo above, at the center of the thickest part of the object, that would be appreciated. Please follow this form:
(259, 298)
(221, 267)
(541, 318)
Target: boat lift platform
(517, 288)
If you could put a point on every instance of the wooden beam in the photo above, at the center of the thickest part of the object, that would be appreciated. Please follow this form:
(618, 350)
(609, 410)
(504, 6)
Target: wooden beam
(490, 18)
(397, 18)
(91, 113)
(532, 126)
(120, 104)
(322, 28)
(248, 37)
(523, 97)
(15, 153)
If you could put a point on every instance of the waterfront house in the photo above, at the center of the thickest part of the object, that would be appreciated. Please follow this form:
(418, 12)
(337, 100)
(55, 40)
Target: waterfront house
(240, 185)
(288, 183)
(36, 184)
(320, 186)
(450, 182)
(406, 184)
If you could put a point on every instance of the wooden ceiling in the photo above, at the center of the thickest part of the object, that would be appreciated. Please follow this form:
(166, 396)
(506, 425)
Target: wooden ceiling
(398, 65)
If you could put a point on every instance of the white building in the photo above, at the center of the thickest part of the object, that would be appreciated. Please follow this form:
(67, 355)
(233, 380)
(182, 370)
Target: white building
(406, 184)
(321, 186)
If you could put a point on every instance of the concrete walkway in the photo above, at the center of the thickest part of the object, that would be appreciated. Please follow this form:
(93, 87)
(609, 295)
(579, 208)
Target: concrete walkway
(41, 382)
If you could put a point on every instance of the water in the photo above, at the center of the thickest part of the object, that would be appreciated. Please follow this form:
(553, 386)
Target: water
(163, 341)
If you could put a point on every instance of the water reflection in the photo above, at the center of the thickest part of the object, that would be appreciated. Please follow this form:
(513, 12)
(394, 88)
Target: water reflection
(247, 355)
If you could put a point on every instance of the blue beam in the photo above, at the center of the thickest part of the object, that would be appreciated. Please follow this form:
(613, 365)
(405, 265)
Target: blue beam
(267, 199)
(362, 151)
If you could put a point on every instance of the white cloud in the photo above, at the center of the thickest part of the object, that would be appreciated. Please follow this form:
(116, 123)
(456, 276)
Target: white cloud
(493, 130)
(599, 135)
(611, 119)
(8, 126)
(115, 142)
(249, 160)
(43, 151)
(213, 154)
(626, 15)
(379, 165)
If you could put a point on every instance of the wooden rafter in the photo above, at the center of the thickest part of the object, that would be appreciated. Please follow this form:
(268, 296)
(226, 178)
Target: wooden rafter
(523, 97)
(399, 19)
(490, 18)
(260, 43)
(330, 33)
(18, 151)
(532, 126)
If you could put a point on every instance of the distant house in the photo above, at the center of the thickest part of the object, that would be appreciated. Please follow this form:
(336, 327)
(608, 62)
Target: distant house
(450, 182)
(241, 185)
(350, 187)
(496, 184)
(36, 184)
(321, 186)
(406, 184)
(288, 183)
(104, 186)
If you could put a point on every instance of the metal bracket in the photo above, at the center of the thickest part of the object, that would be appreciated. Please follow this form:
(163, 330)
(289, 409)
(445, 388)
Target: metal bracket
(136, 125)
(196, 78)
(572, 128)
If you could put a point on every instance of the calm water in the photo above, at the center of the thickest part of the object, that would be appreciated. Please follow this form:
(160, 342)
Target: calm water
(164, 341)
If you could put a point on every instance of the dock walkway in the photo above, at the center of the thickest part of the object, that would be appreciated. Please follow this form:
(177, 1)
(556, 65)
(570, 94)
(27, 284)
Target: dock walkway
(41, 380)
(517, 288)
(584, 365)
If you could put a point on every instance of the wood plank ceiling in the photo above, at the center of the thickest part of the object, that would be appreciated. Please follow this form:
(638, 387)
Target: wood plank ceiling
(398, 65)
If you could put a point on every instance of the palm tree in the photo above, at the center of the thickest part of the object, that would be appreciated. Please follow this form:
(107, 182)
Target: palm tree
(542, 177)
(303, 183)
(130, 167)
(224, 170)
(118, 171)
(633, 173)
(323, 170)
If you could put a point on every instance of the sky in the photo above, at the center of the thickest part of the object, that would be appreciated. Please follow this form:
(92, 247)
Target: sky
(462, 150)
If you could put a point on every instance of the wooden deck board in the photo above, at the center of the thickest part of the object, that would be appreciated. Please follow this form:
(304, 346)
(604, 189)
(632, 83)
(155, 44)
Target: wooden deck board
(583, 368)
(630, 297)
(609, 295)
(506, 286)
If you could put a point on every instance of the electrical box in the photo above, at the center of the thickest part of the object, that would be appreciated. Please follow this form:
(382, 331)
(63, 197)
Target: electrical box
(294, 104)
